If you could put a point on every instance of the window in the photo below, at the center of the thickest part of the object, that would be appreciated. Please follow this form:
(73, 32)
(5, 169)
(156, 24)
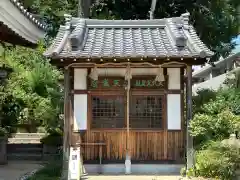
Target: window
(146, 111)
(108, 111)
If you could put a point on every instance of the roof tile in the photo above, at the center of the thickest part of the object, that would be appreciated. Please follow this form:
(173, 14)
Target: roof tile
(171, 37)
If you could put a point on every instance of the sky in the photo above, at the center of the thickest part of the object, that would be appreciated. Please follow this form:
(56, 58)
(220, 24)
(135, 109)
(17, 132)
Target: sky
(237, 48)
(237, 39)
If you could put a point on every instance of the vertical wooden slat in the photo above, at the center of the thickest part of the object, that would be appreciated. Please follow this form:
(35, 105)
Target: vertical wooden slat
(162, 145)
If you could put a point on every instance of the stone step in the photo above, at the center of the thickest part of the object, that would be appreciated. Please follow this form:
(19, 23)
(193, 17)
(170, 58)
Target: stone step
(20, 156)
(25, 148)
(28, 135)
(19, 145)
(24, 141)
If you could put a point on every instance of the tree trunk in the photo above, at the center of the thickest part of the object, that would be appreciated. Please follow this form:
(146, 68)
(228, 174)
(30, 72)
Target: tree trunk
(84, 8)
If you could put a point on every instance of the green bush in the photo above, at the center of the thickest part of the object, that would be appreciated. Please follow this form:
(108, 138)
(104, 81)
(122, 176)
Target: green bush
(203, 96)
(3, 131)
(217, 161)
(54, 138)
(41, 129)
(205, 127)
(52, 171)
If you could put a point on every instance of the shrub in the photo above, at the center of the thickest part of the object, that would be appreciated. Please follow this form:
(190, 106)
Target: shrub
(203, 96)
(41, 129)
(217, 160)
(3, 132)
(54, 138)
(205, 127)
(51, 171)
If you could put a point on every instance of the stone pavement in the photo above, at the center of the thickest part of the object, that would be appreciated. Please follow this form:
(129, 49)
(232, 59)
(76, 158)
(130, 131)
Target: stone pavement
(15, 169)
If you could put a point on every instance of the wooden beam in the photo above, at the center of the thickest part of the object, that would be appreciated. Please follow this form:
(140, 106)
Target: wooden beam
(65, 61)
(190, 150)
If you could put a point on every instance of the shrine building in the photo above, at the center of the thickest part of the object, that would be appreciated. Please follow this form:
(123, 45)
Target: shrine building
(125, 83)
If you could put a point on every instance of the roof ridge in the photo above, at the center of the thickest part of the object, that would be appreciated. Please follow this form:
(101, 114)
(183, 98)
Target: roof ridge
(29, 15)
(175, 39)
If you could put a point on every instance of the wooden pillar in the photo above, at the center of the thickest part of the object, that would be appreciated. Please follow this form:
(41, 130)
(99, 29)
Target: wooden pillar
(66, 147)
(190, 150)
(128, 156)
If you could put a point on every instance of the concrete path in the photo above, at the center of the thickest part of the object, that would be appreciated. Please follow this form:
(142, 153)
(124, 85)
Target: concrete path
(132, 177)
(15, 169)
(141, 177)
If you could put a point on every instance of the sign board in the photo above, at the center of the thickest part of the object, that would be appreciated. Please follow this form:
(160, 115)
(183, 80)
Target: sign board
(74, 164)
(119, 82)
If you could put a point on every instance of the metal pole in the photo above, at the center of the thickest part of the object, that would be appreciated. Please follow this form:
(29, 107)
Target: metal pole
(190, 150)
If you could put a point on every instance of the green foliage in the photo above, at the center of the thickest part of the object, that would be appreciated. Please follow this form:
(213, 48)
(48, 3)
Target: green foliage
(3, 132)
(216, 117)
(206, 127)
(203, 97)
(54, 138)
(216, 114)
(183, 171)
(32, 94)
(216, 27)
(217, 161)
(51, 171)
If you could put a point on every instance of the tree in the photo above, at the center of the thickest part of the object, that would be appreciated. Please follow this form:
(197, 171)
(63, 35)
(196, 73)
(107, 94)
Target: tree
(216, 21)
(217, 114)
(32, 94)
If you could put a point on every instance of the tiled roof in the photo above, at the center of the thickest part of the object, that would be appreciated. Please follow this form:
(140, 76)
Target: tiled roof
(157, 38)
(28, 14)
(18, 26)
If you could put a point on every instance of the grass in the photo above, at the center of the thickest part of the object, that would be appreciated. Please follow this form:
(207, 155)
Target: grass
(51, 171)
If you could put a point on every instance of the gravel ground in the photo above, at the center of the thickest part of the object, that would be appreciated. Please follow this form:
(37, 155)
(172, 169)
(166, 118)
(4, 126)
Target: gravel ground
(15, 170)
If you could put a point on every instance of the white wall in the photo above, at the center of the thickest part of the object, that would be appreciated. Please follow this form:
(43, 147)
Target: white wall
(174, 100)
(80, 100)
(174, 78)
(174, 111)
(80, 79)
(80, 112)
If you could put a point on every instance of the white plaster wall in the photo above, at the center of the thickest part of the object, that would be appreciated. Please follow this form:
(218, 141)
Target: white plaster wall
(80, 112)
(174, 78)
(174, 111)
(80, 79)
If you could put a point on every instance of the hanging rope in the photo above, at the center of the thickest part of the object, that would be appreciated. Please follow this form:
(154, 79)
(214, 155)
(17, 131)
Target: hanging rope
(128, 74)
(94, 74)
(160, 75)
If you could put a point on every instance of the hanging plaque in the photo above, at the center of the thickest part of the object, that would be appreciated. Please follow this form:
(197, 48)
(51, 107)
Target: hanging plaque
(113, 83)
